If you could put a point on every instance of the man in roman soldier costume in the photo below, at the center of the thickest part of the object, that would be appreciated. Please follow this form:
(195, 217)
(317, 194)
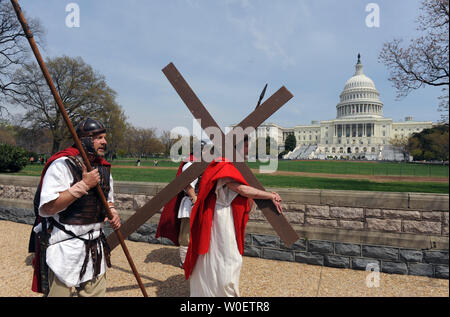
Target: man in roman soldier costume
(71, 217)
(218, 219)
(174, 223)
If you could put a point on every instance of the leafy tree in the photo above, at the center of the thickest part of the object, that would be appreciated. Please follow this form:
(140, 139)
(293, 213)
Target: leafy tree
(116, 124)
(83, 91)
(290, 143)
(430, 144)
(12, 158)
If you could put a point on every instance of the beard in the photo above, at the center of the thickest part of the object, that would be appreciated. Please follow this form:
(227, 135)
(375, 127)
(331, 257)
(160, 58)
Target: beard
(101, 151)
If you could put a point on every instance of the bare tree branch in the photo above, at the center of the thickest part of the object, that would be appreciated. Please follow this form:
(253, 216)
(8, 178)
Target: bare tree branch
(425, 61)
(14, 51)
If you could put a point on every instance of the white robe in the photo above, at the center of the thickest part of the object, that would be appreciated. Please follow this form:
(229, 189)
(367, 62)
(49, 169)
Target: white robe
(186, 205)
(217, 272)
(65, 255)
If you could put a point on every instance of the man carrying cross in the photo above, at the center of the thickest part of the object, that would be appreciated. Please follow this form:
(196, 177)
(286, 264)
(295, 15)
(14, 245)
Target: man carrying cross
(218, 220)
(267, 206)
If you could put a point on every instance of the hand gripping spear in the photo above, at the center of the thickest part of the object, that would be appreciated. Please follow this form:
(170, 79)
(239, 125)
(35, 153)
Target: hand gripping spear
(59, 102)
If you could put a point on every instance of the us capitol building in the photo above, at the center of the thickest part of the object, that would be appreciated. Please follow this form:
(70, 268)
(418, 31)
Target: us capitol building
(359, 131)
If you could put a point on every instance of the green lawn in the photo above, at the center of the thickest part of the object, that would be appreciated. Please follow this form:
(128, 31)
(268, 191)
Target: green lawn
(350, 184)
(164, 175)
(146, 162)
(331, 167)
(361, 168)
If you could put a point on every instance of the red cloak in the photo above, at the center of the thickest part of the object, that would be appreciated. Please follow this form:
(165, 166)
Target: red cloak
(34, 240)
(203, 211)
(169, 223)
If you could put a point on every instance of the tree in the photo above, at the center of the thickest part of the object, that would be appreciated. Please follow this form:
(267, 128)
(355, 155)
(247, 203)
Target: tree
(402, 144)
(290, 143)
(115, 121)
(14, 49)
(425, 62)
(12, 158)
(430, 144)
(7, 134)
(168, 142)
(33, 140)
(83, 91)
(144, 142)
(438, 142)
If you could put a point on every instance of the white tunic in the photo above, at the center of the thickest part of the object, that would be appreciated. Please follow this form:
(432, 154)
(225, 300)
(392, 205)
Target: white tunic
(65, 255)
(217, 272)
(185, 208)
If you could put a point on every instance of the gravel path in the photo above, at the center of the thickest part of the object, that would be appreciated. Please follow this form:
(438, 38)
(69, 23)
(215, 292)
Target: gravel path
(157, 265)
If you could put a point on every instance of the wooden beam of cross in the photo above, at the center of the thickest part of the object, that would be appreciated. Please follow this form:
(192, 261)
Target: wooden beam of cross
(258, 116)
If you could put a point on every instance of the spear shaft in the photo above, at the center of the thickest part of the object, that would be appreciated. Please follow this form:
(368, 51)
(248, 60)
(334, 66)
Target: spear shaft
(60, 104)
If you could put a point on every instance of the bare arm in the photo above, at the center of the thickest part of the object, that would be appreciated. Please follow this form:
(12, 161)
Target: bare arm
(62, 202)
(189, 190)
(191, 193)
(254, 193)
(67, 197)
(115, 220)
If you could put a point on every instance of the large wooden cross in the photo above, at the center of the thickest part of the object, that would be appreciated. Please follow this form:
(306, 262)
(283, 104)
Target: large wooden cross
(198, 110)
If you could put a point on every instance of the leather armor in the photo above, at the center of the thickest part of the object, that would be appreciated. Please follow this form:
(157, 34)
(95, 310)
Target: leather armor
(87, 209)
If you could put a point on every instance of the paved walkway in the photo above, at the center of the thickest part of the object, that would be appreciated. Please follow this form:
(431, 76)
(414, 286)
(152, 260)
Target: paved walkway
(157, 265)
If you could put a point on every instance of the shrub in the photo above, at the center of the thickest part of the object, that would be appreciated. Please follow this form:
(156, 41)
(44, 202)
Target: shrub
(12, 158)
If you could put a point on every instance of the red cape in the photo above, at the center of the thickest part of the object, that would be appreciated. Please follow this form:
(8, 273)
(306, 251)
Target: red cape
(70, 151)
(169, 223)
(203, 211)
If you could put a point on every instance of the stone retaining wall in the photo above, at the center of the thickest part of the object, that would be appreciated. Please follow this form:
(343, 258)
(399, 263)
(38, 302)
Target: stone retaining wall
(403, 233)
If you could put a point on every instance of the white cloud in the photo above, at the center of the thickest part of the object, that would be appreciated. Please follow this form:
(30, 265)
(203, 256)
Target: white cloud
(243, 3)
(263, 39)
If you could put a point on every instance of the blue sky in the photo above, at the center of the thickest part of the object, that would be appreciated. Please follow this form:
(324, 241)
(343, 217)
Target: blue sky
(228, 50)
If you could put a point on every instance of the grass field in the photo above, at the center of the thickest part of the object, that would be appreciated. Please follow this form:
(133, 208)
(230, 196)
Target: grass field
(362, 168)
(332, 167)
(329, 167)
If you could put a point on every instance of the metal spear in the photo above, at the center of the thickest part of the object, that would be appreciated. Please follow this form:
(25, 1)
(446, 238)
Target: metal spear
(261, 96)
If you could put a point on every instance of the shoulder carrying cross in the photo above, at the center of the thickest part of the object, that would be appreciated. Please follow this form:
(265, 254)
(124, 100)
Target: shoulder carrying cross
(198, 110)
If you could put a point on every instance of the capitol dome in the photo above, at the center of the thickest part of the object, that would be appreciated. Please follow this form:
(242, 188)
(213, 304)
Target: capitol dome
(360, 98)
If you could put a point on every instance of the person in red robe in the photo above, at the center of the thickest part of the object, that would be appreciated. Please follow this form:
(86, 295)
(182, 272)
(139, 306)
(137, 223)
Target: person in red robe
(218, 221)
(174, 221)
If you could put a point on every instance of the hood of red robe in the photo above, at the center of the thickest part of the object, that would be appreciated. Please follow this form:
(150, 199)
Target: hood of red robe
(169, 223)
(70, 151)
(203, 211)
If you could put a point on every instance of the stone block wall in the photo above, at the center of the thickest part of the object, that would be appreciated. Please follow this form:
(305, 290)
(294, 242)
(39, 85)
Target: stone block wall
(386, 259)
(365, 218)
(401, 233)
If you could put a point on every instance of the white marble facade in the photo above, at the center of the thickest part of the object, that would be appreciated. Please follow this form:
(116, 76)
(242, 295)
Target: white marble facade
(359, 130)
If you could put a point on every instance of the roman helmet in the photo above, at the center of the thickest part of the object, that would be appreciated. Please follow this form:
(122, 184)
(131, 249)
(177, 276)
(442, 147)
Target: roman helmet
(88, 128)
